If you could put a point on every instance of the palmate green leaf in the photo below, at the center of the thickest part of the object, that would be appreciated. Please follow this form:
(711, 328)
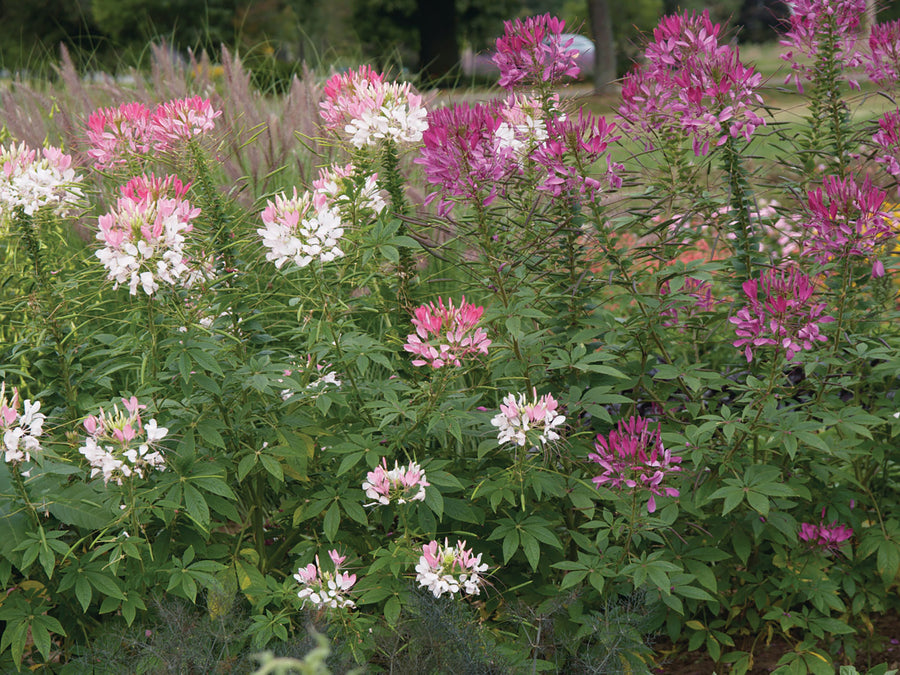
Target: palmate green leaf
(80, 504)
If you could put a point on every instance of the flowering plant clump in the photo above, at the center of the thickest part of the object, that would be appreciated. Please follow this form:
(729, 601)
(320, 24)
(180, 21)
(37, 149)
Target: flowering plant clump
(323, 588)
(20, 429)
(296, 231)
(117, 134)
(450, 569)
(825, 537)
(445, 334)
(32, 181)
(120, 445)
(179, 120)
(369, 110)
(518, 417)
(850, 222)
(144, 235)
(532, 51)
(786, 316)
(401, 484)
(633, 456)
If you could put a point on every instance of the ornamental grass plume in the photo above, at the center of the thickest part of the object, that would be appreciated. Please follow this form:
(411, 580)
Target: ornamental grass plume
(450, 569)
(401, 484)
(324, 588)
(822, 29)
(20, 428)
(33, 181)
(115, 135)
(786, 317)
(518, 417)
(883, 59)
(446, 334)
(532, 52)
(634, 460)
(295, 230)
(690, 84)
(120, 445)
(364, 108)
(845, 219)
(144, 235)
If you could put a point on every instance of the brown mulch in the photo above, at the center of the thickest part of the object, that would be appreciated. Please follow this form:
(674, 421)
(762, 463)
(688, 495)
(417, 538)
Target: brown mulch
(882, 646)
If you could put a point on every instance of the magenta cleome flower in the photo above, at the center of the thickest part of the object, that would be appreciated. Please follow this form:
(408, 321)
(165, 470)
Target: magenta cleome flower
(887, 138)
(401, 484)
(323, 588)
(828, 538)
(117, 134)
(532, 52)
(446, 334)
(883, 62)
(450, 569)
(518, 417)
(180, 120)
(20, 429)
(634, 460)
(787, 317)
(845, 219)
(814, 22)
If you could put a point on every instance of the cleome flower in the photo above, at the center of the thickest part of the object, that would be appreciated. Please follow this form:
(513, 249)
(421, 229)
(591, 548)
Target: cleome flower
(401, 484)
(883, 61)
(828, 538)
(449, 569)
(445, 334)
(887, 138)
(532, 51)
(180, 120)
(33, 181)
(634, 460)
(323, 588)
(368, 110)
(144, 235)
(518, 417)
(120, 445)
(295, 230)
(20, 429)
(786, 317)
(117, 134)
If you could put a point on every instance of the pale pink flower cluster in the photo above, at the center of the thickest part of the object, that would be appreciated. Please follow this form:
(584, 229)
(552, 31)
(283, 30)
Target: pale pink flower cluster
(401, 484)
(532, 52)
(120, 445)
(518, 418)
(368, 110)
(826, 538)
(691, 84)
(21, 429)
(813, 22)
(347, 190)
(786, 316)
(130, 131)
(296, 231)
(445, 334)
(143, 237)
(450, 569)
(522, 128)
(32, 181)
(323, 588)
(633, 457)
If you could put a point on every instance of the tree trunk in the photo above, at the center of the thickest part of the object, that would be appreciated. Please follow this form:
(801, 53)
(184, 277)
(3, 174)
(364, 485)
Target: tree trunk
(604, 46)
(438, 46)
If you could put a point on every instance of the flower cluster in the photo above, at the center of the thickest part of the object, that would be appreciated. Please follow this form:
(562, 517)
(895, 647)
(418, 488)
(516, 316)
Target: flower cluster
(368, 110)
(845, 219)
(295, 230)
(887, 138)
(518, 417)
(323, 588)
(815, 24)
(825, 538)
(20, 428)
(401, 484)
(323, 379)
(883, 62)
(786, 316)
(30, 181)
(532, 51)
(700, 291)
(119, 444)
(348, 191)
(692, 85)
(449, 569)
(144, 235)
(116, 135)
(445, 334)
(633, 457)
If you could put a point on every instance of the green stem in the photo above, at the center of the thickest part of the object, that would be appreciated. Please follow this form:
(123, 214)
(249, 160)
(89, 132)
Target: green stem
(23, 495)
(392, 181)
(745, 243)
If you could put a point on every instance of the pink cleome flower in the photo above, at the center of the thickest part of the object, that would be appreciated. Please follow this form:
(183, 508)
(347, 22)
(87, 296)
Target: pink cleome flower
(883, 62)
(634, 460)
(517, 417)
(323, 588)
(297, 231)
(32, 180)
(401, 484)
(117, 134)
(887, 138)
(844, 219)
(532, 51)
(19, 430)
(180, 120)
(449, 569)
(825, 538)
(814, 22)
(786, 317)
(445, 334)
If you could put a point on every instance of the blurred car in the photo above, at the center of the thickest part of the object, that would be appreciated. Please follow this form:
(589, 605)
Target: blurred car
(481, 64)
